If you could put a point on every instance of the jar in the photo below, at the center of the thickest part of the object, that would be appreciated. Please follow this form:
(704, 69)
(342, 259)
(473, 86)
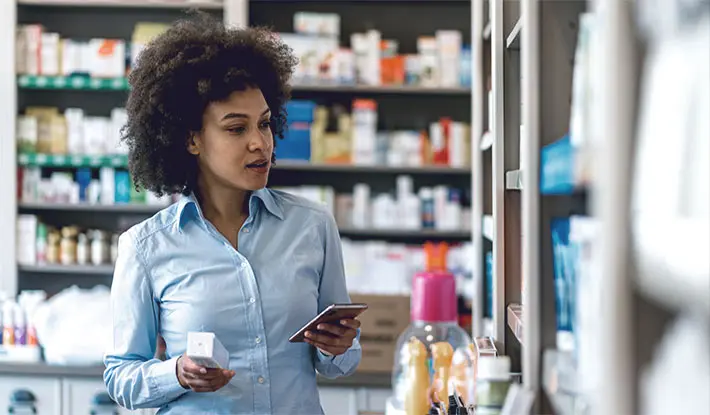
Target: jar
(52, 253)
(99, 248)
(83, 251)
(68, 245)
(434, 320)
(114, 248)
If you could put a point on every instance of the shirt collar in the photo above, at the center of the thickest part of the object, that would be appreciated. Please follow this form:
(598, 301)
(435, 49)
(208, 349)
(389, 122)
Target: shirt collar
(187, 206)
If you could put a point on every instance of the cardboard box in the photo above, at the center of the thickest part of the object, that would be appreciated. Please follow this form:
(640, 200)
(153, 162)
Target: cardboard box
(382, 323)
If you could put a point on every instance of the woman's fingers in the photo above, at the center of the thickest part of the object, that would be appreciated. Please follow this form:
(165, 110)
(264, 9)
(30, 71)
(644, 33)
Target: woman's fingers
(351, 323)
(334, 329)
(323, 338)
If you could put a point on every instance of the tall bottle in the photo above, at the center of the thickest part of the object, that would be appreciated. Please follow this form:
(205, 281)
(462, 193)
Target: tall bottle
(434, 318)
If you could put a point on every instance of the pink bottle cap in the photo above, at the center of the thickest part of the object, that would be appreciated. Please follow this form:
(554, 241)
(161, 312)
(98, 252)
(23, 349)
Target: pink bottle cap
(434, 297)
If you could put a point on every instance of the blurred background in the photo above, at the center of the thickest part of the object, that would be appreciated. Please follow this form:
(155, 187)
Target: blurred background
(550, 157)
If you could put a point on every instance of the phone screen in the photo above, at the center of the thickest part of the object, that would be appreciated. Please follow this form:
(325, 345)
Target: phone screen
(334, 313)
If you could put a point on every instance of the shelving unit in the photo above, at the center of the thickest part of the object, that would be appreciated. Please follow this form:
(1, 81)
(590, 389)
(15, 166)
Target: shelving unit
(401, 105)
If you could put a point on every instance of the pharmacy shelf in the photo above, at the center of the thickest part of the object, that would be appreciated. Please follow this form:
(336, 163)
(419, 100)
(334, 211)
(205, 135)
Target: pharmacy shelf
(76, 83)
(73, 161)
(406, 234)
(513, 40)
(515, 321)
(382, 89)
(154, 4)
(488, 226)
(86, 207)
(85, 83)
(67, 269)
(349, 168)
(121, 161)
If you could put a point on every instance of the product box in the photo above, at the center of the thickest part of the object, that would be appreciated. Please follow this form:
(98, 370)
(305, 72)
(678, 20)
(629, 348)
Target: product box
(206, 350)
(382, 323)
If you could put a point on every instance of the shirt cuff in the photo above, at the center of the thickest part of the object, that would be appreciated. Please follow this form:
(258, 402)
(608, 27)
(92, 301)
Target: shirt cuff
(164, 381)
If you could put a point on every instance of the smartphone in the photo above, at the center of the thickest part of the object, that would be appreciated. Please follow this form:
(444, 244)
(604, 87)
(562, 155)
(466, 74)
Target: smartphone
(334, 313)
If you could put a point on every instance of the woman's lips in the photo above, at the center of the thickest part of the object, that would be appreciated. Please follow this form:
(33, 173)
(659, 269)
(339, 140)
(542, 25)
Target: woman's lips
(259, 167)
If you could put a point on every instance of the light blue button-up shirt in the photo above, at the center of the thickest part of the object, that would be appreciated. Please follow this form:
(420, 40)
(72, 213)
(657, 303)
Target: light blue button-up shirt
(176, 273)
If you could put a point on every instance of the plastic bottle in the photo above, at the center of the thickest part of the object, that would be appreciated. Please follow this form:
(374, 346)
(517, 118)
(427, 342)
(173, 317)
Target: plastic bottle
(8, 323)
(41, 243)
(427, 203)
(83, 250)
(20, 326)
(433, 314)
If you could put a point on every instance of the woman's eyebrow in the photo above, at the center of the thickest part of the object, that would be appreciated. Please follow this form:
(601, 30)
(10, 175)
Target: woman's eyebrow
(232, 115)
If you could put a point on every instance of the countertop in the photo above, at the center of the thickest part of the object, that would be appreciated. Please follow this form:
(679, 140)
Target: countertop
(357, 380)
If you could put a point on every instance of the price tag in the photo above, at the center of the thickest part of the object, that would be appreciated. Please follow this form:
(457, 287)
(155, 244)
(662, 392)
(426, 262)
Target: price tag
(41, 159)
(118, 83)
(60, 82)
(77, 161)
(59, 160)
(42, 81)
(95, 161)
(95, 83)
(24, 80)
(77, 82)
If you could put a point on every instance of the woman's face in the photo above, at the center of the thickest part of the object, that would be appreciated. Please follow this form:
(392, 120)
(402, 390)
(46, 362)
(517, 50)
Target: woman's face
(235, 145)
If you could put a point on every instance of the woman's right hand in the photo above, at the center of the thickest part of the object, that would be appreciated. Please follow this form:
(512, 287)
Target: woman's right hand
(199, 378)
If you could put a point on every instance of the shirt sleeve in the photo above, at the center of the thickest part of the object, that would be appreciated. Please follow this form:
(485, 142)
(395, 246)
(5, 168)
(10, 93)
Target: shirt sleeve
(333, 290)
(133, 377)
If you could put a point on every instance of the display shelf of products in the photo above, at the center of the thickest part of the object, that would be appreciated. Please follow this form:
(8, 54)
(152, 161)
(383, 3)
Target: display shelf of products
(121, 84)
(73, 161)
(414, 233)
(488, 226)
(81, 83)
(121, 160)
(381, 89)
(514, 180)
(156, 4)
(513, 40)
(67, 269)
(515, 321)
(361, 379)
(389, 169)
(82, 207)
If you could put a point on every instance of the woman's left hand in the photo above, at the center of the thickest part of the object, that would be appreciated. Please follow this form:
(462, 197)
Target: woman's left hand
(334, 339)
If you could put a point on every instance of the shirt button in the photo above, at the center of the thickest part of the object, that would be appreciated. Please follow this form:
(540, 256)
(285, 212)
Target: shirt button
(245, 230)
(243, 265)
(258, 340)
(261, 379)
(252, 300)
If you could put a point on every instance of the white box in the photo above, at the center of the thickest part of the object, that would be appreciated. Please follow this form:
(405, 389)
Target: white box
(205, 349)
(49, 54)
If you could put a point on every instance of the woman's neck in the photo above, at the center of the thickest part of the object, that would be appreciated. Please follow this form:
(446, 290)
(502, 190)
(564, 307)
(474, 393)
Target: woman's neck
(223, 205)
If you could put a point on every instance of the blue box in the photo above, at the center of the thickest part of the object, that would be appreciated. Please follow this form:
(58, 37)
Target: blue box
(296, 144)
(300, 111)
(557, 167)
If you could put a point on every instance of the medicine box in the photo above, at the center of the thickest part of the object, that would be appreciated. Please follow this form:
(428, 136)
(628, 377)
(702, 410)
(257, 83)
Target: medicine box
(205, 349)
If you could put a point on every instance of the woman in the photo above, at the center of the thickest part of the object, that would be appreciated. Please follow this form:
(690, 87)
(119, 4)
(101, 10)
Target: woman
(249, 264)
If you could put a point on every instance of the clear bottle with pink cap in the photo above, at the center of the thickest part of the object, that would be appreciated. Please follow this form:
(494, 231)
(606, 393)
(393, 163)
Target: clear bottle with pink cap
(433, 318)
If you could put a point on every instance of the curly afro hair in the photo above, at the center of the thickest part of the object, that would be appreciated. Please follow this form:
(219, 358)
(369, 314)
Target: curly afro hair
(195, 62)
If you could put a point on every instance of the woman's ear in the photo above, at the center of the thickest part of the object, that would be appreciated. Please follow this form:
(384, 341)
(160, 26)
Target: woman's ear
(193, 144)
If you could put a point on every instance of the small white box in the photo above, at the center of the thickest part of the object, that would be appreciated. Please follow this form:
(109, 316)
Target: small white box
(205, 349)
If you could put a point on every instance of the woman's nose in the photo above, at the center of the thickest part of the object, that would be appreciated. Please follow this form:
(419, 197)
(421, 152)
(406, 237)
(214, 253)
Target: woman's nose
(257, 141)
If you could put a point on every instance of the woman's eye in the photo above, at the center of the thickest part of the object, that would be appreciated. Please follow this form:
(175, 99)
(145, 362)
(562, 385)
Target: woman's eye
(237, 130)
(265, 125)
